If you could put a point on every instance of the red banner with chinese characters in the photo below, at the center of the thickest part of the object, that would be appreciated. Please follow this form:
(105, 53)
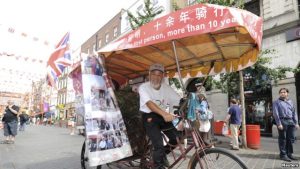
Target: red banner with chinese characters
(193, 20)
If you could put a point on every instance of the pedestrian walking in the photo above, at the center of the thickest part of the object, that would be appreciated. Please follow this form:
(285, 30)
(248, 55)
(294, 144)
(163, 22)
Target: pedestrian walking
(10, 121)
(235, 120)
(286, 120)
(23, 119)
(71, 123)
(205, 123)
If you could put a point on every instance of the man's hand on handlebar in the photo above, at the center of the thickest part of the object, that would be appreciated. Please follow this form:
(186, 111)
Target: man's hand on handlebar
(168, 117)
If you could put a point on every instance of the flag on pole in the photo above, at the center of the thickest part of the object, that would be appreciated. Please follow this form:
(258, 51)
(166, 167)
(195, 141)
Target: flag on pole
(59, 60)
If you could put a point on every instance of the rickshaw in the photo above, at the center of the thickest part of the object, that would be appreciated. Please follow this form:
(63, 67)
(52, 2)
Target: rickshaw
(200, 40)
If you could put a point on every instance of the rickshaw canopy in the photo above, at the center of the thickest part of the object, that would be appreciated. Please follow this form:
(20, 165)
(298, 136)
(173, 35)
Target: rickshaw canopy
(208, 39)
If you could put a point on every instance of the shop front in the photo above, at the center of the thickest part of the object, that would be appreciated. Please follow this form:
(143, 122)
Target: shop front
(259, 111)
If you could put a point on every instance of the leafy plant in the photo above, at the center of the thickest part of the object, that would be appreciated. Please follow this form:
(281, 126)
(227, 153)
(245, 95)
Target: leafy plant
(128, 101)
(232, 3)
(257, 78)
(148, 15)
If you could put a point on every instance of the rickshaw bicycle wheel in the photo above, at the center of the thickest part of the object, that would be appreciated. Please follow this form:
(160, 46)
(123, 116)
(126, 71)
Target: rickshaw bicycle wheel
(84, 158)
(216, 158)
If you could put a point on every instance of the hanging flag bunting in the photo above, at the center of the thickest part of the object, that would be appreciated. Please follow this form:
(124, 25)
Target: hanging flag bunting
(11, 30)
(24, 34)
(17, 57)
(35, 39)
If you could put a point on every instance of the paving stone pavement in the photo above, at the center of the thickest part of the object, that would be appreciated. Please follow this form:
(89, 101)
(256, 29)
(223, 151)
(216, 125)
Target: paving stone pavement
(46, 147)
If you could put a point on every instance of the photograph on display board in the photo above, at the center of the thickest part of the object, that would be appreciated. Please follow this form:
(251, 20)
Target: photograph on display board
(92, 66)
(106, 133)
(107, 140)
(94, 91)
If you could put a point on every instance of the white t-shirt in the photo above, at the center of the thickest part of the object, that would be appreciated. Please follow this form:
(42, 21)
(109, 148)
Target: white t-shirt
(162, 97)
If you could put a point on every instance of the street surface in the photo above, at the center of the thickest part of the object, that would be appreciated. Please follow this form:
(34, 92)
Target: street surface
(45, 147)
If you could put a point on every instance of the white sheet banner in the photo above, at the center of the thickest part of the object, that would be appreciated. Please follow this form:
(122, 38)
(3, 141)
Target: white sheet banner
(106, 136)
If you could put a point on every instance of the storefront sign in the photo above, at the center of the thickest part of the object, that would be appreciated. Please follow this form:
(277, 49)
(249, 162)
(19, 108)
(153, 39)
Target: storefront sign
(292, 34)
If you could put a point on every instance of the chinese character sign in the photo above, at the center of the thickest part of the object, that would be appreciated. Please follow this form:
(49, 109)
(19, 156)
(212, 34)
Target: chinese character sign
(191, 21)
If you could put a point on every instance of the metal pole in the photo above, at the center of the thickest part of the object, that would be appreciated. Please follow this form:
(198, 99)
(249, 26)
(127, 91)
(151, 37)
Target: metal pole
(178, 66)
(244, 137)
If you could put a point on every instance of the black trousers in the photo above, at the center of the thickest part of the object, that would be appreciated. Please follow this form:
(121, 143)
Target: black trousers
(154, 125)
(286, 138)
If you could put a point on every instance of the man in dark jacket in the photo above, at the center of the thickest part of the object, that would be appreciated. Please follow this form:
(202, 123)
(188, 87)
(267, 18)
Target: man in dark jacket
(10, 122)
(23, 119)
(287, 121)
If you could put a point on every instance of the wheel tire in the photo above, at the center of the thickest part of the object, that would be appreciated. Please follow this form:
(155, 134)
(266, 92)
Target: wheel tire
(83, 158)
(215, 154)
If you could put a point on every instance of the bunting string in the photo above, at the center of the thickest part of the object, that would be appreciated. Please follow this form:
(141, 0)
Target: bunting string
(12, 30)
(25, 58)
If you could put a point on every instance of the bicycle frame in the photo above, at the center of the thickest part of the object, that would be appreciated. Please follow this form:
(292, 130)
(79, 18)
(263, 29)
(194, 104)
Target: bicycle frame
(192, 131)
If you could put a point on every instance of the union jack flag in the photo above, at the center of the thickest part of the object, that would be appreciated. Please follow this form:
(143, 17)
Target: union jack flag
(59, 60)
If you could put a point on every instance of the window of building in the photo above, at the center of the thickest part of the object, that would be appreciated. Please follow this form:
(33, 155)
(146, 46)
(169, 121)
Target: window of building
(154, 2)
(60, 84)
(99, 43)
(94, 47)
(191, 2)
(65, 98)
(139, 9)
(58, 99)
(65, 82)
(65, 71)
(253, 7)
(106, 38)
(127, 21)
(62, 99)
(115, 31)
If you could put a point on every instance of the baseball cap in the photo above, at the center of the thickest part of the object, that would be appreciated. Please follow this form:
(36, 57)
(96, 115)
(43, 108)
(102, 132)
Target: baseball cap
(157, 66)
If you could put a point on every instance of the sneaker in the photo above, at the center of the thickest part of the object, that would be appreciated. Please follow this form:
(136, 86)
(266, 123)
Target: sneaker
(285, 158)
(5, 142)
(235, 148)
